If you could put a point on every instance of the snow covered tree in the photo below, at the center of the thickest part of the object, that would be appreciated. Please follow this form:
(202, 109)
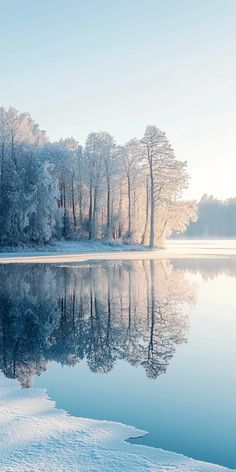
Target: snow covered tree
(133, 177)
(28, 196)
(131, 192)
(167, 176)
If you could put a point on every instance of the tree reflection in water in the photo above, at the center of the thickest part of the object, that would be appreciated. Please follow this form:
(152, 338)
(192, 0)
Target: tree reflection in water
(101, 312)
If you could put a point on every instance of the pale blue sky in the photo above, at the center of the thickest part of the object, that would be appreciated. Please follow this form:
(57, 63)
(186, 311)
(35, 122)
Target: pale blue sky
(84, 65)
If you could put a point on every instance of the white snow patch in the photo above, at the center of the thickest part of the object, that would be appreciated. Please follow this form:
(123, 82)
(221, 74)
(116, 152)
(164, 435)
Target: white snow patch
(37, 437)
(77, 251)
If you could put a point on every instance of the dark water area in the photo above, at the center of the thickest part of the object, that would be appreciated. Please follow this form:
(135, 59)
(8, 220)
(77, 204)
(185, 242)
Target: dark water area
(149, 343)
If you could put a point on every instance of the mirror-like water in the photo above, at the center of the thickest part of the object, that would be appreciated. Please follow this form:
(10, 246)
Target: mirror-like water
(147, 343)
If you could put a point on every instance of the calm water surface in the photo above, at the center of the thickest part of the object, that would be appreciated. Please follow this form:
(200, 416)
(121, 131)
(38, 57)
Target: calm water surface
(147, 343)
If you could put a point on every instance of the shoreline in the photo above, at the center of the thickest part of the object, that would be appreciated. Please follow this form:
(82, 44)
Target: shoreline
(75, 252)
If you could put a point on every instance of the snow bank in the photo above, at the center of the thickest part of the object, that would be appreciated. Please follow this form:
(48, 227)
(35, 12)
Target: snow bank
(35, 436)
(77, 251)
(71, 247)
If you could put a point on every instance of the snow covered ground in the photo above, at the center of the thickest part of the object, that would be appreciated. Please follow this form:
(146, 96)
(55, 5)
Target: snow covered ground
(37, 437)
(75, 251)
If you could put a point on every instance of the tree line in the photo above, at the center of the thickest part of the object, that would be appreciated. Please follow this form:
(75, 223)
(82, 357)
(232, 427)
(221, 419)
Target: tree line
(101, 190)
(217, 218)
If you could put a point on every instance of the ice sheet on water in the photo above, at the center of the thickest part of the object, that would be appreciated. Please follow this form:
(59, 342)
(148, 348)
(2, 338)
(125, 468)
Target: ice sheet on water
(35, 436)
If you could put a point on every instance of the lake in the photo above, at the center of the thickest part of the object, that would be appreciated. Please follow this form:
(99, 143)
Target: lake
(150, 343)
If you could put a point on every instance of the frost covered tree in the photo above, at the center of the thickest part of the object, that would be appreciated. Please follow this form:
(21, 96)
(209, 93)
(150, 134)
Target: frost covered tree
(28, 196)
(167, 179)
(102, 191)
(65, 156)
(134, 179)
(94, 161)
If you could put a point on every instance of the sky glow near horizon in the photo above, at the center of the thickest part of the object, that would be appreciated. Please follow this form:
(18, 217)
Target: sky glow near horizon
(79, 66)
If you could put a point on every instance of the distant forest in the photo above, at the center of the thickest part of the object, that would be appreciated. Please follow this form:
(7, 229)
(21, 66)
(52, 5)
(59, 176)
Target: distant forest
(217, 218)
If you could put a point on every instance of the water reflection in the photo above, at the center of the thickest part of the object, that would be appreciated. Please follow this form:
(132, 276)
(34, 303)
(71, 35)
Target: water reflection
(101, 312)
(209, 268)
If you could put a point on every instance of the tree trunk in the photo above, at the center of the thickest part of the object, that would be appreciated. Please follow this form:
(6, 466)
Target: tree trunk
(90, 212)
(13, 153)
(64, 207)
(95, 209)
(73, 201)
(147, 215)
(108, 235)
(2, 166)
(152, 222)
(120, 215)
(80, 205)
(129, 207)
